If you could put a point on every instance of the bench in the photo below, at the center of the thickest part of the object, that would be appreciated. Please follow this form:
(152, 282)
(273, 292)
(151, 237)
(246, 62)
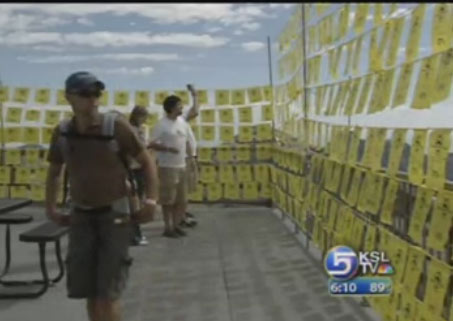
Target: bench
(42, 234)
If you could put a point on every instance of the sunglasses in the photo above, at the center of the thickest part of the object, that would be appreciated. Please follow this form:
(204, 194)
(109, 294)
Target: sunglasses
(88, 93)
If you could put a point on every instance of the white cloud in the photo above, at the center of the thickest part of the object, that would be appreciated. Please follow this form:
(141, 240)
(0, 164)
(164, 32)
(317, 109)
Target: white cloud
(22, 22)
(252, 26)
(253, 46)
(111, 39)
(48, 48)
(239, 32)
(114, 57)
(281, 5)
(85, 21)
(143, 71)
(214, 29)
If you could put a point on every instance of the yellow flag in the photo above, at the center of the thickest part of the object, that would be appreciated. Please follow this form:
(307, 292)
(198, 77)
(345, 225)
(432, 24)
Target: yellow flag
(31, 135)
(389, 202)
(344, 21)
(208, 133)
(21, 95)
(184, 95)
(436, 287)
(354, 145)
(159, 96)
(214, 192)
(416, 172)
(439, 146)
(227, 134)
(207, 116)
(378, 7)
(14, 115)
(52, 117)
(413, 270)
(442, 86)
(353, 194)
(205, 154)
(261, 173)
(231, 191)
(238, 97)
(121, 98)
(42, 96)
(226, 116)
(142, 98)
(267, 93)
(222, 97)
(5, 175)
(19, 192)
(352, 97)
(374, 60)
(208, 174)
(441, 37)
(245, 134)
(198, 194)
(13, 157)
(226, 174)
(243, 153)
(424, 91)
(224, 154)
(361, 14)
(413, 42)
(398, 141)
(441, 221)
(13, 135)
(398, 25)
(243, 173)
(245, 114)
(402, 86)
(4, 94)
(264, 132)
(370, 238)
(364, 93)
(37, 193)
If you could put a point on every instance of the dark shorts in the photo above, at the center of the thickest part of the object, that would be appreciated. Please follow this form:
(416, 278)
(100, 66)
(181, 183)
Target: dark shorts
(98, 258)
(139, 177)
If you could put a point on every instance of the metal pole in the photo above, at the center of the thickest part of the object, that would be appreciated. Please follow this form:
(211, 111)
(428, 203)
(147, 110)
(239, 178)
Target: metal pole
(269, 59)
(2, 130)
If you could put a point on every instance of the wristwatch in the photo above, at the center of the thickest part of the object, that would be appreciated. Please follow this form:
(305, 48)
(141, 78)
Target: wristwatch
(150, 201)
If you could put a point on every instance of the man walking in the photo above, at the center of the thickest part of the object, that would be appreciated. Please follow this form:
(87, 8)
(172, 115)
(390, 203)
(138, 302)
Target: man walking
(95, 148)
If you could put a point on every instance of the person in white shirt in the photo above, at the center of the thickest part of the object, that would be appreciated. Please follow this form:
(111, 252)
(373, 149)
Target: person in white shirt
(170, 138)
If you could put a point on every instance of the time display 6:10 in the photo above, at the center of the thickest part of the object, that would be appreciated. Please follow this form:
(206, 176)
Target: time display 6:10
(363, 286)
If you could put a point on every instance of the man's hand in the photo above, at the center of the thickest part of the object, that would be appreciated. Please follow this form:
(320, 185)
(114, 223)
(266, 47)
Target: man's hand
(144, 215)
(191, 88)
(59, 218)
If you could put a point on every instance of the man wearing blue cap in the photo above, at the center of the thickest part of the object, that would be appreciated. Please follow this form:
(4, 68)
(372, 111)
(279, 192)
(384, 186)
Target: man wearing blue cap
(94, 148)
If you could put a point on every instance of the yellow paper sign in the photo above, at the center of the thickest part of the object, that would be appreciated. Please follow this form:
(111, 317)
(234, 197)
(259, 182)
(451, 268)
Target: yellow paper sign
(208, 174)
(267, 113)
(21, 95)
(389, 202)
(364, 93)
(33, 115)
(444, 77)
(197, 195)
(12, 157)
(226, 116)
(413, 270)
(441, 221)
(261, 173)
(104, 99)
(19, 192)
(226, 174)
(245, 114)
(159, 96)
(37, 193)
(142, 98)
(13, 135)
(152, 119)
(244, 173)
(361, 14)
(231, 191)
(5, 175)
(224, 154)
(202, 97)
(267, 93)
(32, 156)
(31, 135)
(4, 94)
(14, 115)
(264, 132)
(413, 42)
(265, 191)
(61, 98)
(214, 192)
(208, 133)
(207, 116)
(22, 175)
(255, 95)
(227, 134)
(426, 83)
(205, 154)
(402, 86)
(398, 141)
(421, 208)
(439, 146)
(395, 39)
(245, 134)
(222, 97)
(52, 117)
(243, 153)
(416, 172)
(238, 97)
(121, 98)
(436, 287)
(42, 96)
(184, 95)
(441, 37)
(250, 190)
(263, 152)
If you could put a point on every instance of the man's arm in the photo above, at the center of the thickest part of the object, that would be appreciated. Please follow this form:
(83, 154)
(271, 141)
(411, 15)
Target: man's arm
(150, 171)
(193, 111)
(52, 185)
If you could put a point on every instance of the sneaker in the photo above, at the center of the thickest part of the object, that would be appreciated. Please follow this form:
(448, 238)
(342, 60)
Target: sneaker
(189, 215)
(143, 241)
(170, 234)
(180, 232)
(188, 223)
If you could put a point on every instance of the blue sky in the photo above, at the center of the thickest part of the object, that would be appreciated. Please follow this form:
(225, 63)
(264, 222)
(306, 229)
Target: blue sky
(139, 46)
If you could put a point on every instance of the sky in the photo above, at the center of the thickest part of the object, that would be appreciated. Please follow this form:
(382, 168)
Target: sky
(140, 46)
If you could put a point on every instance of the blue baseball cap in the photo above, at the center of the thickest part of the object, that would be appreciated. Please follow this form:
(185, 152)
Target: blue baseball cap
(83, 80)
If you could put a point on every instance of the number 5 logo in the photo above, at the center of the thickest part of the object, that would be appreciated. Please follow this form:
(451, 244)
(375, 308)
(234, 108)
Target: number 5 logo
(341, 263)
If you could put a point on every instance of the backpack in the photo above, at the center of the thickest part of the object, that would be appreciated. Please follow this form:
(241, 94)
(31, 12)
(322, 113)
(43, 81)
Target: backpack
(108, 130)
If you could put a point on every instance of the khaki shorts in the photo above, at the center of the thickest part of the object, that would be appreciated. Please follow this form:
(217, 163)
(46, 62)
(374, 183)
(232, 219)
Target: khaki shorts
(192, 174)
(172, 186)
(98, 260)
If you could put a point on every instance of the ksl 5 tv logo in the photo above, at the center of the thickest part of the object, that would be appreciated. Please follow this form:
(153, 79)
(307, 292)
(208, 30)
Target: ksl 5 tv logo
(343, 263)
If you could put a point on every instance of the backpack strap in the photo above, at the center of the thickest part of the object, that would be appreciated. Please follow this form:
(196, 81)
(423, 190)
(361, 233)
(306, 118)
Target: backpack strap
(63, 128)
(108, 130)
